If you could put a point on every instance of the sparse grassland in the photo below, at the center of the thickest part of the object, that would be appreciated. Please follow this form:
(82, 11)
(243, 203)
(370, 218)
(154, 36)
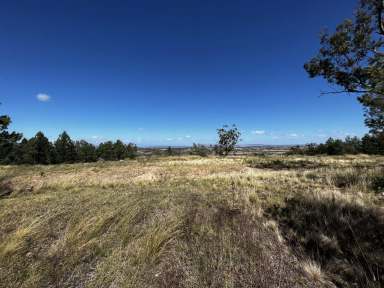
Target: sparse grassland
(272, 221)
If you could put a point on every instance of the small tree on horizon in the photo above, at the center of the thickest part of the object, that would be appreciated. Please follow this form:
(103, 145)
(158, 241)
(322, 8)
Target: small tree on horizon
(228, 138)
(200, 150)
(169, 151)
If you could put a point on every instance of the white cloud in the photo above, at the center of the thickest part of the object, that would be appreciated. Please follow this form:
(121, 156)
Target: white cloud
(187, 136)
(258, 132)
(293, 135)
(42, 97)
(169, 139)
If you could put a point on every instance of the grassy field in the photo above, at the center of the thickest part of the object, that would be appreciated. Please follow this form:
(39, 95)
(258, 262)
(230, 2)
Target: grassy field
(272, 221)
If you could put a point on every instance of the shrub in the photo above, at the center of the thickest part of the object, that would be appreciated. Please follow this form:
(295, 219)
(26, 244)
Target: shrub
(131, 151)
(200, 150)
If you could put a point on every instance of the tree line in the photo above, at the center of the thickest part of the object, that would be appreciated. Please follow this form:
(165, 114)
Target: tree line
(14, 149)
(369, 144)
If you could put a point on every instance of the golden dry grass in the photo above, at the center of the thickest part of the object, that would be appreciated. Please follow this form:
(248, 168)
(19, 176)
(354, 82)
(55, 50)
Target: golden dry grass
(277, 221)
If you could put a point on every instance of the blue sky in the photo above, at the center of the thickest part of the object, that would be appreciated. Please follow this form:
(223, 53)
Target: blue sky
(170, 72)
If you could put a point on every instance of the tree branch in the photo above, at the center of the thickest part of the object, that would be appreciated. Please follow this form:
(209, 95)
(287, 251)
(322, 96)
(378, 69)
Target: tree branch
(344, 91)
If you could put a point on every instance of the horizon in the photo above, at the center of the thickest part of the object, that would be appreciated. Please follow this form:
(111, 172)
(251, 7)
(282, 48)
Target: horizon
(171, 73)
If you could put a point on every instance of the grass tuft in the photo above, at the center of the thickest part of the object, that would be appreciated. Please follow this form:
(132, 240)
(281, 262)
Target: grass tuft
(271, 221)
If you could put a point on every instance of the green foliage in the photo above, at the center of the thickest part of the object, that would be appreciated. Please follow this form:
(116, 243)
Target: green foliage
(106, 151)
(116, 151)
(352, 145)
(4, 122)
(120, 150)
(8, 141)
(131, 151)
(334, 147)
(228, 138)
(85, 151)
(352, 58)
(373, 144)
(37, 150)
(200, 150)
(65, 149)
(370, 144)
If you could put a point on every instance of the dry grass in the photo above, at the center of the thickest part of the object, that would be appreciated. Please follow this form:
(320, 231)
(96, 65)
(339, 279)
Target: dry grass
(271, 221)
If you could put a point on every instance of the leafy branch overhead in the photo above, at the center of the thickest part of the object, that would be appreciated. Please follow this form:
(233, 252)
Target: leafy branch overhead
(352, 58)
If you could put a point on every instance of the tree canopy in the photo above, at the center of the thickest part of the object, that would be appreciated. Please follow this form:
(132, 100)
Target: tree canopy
(352, 59)
(228, 138)
(8, 141)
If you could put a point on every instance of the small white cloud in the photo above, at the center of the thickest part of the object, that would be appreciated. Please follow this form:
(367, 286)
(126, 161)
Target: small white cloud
(169, 139)
(187, 136)
(293, 135)
(42, 97)
(258, 132)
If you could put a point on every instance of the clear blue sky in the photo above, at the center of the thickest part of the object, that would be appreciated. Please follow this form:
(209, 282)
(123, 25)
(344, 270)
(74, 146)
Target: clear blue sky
(170, 72)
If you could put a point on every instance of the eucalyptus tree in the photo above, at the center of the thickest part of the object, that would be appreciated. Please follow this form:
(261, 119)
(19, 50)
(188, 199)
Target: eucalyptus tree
(352, 60)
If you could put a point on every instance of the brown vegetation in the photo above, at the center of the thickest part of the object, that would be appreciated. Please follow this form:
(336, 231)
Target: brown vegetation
(275, 221)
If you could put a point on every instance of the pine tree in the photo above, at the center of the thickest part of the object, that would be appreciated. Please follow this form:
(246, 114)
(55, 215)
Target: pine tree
(38, 149)
(106, 151)
(65, 149)
(131, 151)
(86, 152)
(120, 150)
(8, 141)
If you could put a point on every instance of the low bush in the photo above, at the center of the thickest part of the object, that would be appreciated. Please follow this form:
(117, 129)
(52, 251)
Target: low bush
(200, 150)
(282, 164)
